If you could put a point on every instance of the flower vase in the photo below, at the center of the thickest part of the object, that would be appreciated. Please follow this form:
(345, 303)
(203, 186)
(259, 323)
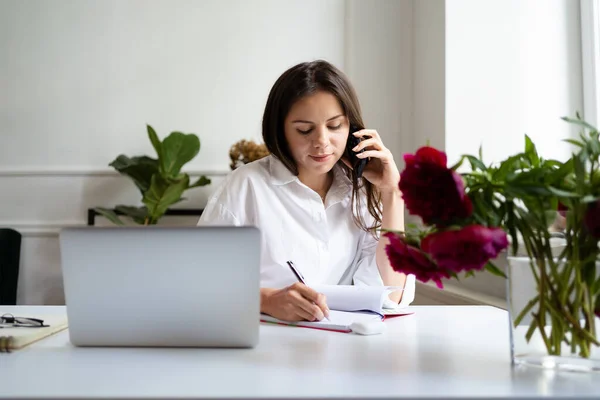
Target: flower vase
(534, 300)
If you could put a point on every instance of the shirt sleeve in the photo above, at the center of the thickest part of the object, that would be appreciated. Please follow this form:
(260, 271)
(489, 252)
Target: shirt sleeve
(217, 214)
(367, 272)
(216, 211)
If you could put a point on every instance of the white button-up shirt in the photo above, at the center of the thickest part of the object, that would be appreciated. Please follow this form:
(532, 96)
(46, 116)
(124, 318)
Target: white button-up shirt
(320, 238)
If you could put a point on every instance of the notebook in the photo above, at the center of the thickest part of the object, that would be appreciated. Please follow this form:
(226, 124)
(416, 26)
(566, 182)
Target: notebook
(361, 298)
(339, 321)
(350, 304)
(14, 338)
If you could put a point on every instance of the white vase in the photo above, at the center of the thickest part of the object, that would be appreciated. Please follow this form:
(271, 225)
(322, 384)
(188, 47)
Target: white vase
(521, 289)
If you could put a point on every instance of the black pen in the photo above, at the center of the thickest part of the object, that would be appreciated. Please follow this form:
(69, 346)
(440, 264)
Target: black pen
(300, 278)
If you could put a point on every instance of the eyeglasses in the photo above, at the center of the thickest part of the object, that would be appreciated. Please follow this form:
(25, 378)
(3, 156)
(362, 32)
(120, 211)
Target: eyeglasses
(9, 321)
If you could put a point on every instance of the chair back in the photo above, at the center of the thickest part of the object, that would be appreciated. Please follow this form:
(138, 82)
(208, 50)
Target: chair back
(10, 256)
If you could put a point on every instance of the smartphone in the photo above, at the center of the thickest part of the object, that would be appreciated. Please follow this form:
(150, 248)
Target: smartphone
(358, 164)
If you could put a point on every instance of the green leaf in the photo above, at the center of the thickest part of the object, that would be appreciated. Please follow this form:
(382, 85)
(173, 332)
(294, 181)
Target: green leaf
(470, 274)
(512, 229)
(595, 178)
(558, 175)
(596, 290)
(138, 214)
(531, 330)
(154, 140)
(476, 163)
(491, 268)
(552, 164)
(139, 169)
(589, 198)
(518, 191)
(594, 146)
(526, 309)
(561, 193)
(511, 164)
(202, 181)
(531, 152)
(580, 123)
(178, 149)
(110, 215)
(579, 167)
(162, 195)
(458, 164)
(574, 142)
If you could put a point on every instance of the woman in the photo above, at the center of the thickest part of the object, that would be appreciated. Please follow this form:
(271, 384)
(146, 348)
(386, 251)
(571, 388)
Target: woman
(308, 202)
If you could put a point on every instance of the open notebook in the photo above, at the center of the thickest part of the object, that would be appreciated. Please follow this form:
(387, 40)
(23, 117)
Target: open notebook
(350, 304)
(14, 338)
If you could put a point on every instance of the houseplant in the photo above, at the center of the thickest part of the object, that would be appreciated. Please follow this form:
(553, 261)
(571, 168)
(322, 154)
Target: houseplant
(246, 151)
(468, 219)
(159, 180)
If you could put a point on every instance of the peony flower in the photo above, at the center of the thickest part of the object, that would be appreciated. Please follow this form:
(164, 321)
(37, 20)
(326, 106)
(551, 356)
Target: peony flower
(562, 209)
(469, 248)
(410, 260)
(591, 219)
(429, 155)
(431, 190)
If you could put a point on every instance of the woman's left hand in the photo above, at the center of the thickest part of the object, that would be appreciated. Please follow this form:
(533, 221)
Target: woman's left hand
(381, 170)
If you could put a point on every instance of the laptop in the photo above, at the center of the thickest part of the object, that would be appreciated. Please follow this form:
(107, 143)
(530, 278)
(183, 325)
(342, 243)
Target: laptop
(157, 286)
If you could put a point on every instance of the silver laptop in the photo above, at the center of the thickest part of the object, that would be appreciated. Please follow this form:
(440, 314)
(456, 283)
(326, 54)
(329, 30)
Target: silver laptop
(162, 286)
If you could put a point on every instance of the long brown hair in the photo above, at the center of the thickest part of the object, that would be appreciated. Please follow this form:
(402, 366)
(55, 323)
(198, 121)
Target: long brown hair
(303, 80)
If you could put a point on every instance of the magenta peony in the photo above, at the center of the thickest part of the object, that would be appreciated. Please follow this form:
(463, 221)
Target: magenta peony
(591, 219)
(431, 190)
(469, 248)
(410, 260)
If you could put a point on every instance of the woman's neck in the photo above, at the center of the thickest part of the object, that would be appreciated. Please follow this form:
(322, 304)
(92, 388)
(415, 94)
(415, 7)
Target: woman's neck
(318, 183)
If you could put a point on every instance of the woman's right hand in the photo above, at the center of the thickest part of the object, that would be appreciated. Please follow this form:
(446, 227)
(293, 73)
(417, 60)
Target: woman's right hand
(296, 302)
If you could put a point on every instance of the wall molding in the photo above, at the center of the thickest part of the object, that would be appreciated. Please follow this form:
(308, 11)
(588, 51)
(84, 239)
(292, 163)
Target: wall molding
(53, 228)
(453, 295)
(86, 171)
(590, 59)
(41, 228)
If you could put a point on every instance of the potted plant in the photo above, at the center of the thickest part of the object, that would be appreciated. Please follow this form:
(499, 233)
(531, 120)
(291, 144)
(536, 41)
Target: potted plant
(468, 219)
(246, 151)
(159, 180)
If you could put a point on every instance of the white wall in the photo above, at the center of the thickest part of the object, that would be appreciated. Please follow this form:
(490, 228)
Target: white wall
(429, 88)
(512, 67)
(83, 78)
(80, 79)
(379, 42)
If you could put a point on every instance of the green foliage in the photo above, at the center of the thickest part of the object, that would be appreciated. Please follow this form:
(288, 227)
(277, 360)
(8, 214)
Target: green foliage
(522, 194)
(159, 180)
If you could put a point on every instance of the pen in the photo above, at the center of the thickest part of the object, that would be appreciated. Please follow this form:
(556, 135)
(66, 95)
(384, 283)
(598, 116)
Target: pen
(300, 277)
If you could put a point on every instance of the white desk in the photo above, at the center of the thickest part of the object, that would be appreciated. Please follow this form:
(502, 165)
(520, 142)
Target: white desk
(445, 351)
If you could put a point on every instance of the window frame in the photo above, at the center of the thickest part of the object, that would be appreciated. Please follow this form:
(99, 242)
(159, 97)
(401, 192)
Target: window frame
(590, 59)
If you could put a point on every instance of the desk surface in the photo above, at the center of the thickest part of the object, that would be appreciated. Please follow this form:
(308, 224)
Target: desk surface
(449, 351)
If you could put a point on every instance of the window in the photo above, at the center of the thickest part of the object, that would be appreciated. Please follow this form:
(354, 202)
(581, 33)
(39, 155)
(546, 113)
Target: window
(590, 59)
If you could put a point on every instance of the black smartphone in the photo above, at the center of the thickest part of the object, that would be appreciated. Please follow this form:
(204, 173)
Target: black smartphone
(358, 164)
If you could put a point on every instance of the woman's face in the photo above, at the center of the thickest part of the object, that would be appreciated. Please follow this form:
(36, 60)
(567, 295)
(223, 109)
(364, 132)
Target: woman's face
(316, 131)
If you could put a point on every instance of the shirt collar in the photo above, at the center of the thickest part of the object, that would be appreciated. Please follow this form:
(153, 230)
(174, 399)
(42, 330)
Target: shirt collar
(280, 175)
(340, 188)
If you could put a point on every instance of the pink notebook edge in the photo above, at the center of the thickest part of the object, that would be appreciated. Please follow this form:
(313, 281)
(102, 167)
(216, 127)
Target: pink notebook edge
(295, 325)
